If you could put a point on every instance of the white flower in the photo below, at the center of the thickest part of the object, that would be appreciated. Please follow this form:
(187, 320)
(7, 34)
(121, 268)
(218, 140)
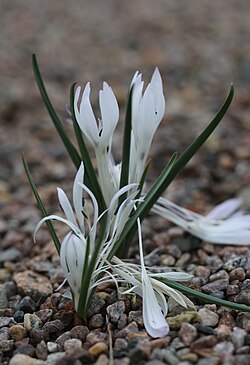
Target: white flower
(225, 224)
(147, 112)
(82, 238)
(99, 134)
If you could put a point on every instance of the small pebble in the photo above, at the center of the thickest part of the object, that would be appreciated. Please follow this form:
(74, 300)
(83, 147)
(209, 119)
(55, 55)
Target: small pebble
(6, 345)
(237, 274)
(20, 359)
(11, 254)
(5, 321)
(32, 322)
(32, 284)
(3, 297)
(208, 318)
(120, 344)
(97, 303)
(27, 305)
(18, 316)
(4, 333)
(102, 360)
(71, 346)
(176, 321)
(17, 332)
(62, 339)
(55, 358)
(137, 317)
(79, 332)
(115, 311)
(42, 350)
(238, 336)
(52, 347)
(215, 286)
(96, 321)
(243, 297)
(45, 314)
(53, 326)
(225, 346)
(26, 349)
(187, 333)
(223, 332)
(97, 349)
(222, 274)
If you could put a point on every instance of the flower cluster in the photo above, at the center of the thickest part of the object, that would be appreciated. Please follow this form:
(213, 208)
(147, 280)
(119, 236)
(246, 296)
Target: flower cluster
(87, 252)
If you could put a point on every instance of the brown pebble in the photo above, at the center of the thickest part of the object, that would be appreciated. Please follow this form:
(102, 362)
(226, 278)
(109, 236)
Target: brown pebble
(32, 284)
(203, 346)
(98, 348)
(187, 333)
(79, 332)
(237, 274)
(17, 332)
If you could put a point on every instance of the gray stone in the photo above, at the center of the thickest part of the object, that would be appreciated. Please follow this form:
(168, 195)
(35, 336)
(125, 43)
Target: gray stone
(238, 336)
(225, 346)
(20, 359)
(11, 254)
(215, 286)
(97, 303)
(6, 345)
(187, 333)
(79, 332)
(53, 347)
(32, 322)
(243, 297)
(208, 318)
(72, 346)
(54, 326)
(3, 297)
(5, 321)
(115, 311)
(4, 333)
(62, 339)
(52, 359)
(96, 321)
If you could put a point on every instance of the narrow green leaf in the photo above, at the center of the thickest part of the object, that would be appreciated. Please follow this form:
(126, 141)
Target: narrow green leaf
(41, 206)
(204, 297)
(90, 179)
(126, 146)
(74, 155)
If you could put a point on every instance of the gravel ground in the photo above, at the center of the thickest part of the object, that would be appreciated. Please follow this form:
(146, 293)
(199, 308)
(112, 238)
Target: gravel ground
(199, 47)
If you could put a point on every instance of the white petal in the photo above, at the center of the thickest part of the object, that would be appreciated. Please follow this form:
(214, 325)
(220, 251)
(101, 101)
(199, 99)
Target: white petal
(78, 196)
(87, 120)
(66, 206)
(153, 317)
(225, 209)
(109, 112)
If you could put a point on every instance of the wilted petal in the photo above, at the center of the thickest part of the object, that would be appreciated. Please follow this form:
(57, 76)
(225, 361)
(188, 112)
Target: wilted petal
(153, 317)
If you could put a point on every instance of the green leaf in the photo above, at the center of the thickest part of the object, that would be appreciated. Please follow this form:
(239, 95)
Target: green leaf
(204, 297)
(74, 155)
(41, 206)
(126, 146)
(90, 180)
